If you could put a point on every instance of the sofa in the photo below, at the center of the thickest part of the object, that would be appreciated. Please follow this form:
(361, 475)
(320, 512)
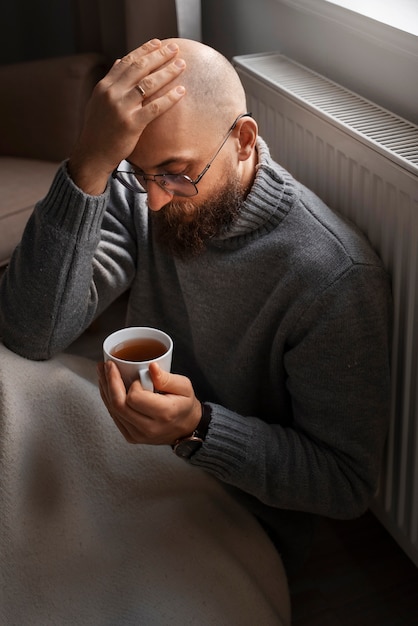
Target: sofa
(42, 105)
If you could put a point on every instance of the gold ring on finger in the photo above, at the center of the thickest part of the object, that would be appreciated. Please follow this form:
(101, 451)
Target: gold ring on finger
(140, 90)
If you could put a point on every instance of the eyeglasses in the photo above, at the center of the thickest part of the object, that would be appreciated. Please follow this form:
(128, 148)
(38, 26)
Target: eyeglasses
(176, 184)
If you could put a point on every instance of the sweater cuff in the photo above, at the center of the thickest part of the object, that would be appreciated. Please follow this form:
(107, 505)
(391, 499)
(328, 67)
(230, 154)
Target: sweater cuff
(68, 208)
(225, 448)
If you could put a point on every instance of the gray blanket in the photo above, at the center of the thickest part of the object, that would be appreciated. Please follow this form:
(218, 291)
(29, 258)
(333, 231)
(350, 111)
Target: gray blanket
(94, 531)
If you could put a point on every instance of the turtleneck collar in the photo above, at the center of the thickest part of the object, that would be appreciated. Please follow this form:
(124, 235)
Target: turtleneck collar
(270, 198)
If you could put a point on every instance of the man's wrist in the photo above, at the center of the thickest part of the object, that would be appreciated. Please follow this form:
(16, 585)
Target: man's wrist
(87, 176)
(185, 447)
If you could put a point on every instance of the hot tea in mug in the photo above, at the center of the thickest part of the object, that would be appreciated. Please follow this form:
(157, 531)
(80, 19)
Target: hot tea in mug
(139, 350)
(134, 348)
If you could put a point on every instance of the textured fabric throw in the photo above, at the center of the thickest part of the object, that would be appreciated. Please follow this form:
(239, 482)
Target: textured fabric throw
(95, 531)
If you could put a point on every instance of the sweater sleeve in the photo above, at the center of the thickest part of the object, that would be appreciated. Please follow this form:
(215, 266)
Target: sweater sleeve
(68, 267)
(327, 459)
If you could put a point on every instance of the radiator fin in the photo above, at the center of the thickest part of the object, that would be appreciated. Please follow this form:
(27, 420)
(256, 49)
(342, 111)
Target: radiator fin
(379, 126)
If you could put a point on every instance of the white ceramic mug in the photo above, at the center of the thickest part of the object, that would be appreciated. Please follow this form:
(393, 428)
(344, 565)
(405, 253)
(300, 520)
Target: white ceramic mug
(133, 369)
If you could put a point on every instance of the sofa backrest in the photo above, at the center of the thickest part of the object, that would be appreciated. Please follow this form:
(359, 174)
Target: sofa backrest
(42, 104)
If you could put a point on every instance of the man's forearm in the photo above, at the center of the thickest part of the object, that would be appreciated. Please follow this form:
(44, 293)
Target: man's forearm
(44, 295)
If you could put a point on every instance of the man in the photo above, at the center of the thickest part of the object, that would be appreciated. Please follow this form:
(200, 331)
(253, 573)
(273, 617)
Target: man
(279, 310)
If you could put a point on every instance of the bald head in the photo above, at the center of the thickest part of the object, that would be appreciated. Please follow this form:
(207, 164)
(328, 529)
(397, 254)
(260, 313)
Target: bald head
(187, 134)
(213, 88)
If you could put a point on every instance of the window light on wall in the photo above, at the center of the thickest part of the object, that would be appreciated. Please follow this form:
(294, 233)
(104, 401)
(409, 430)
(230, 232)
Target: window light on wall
(401, 14)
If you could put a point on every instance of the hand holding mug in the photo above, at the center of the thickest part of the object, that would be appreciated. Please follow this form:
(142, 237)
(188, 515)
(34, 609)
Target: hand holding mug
(141, 415)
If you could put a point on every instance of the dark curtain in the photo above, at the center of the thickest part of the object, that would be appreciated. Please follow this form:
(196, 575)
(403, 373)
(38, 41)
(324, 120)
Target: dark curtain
(113, 27)
(49, 28)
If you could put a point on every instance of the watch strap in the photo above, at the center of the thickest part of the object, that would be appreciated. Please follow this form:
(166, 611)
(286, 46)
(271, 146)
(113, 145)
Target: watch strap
(201, 430)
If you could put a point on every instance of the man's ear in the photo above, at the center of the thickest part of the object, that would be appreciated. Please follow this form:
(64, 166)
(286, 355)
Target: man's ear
(247, 136)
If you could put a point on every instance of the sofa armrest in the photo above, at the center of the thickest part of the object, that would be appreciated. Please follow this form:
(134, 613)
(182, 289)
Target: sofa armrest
(42, 104)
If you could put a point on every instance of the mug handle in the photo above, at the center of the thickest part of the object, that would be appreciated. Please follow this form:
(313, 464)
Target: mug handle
(145, 379)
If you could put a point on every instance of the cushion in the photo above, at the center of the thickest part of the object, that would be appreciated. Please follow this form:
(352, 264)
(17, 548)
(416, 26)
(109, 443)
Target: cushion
(22, 182)
(42, 104)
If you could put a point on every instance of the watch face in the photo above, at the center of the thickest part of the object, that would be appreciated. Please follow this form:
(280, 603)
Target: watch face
(186, 448)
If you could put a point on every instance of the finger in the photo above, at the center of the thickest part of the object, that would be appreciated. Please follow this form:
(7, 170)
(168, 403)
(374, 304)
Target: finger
(129, 414)
(150, 111)
(175, 400)
(166, 383)
(125, 430)
(117, 68)
(176, 405)
(135, 67)
(128, 430)
(102, 382)
(155, 81)
(115, 387)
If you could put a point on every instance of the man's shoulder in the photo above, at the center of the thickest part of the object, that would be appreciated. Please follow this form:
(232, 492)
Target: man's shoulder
(333, 231)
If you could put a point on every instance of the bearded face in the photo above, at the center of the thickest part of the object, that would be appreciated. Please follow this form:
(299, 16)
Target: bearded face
(184, 227)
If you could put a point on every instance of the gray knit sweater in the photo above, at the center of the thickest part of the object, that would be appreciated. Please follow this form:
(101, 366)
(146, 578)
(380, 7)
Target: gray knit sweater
(282, 325)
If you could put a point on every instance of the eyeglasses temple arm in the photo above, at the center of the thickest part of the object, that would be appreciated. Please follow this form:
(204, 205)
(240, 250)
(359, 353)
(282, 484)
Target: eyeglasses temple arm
(221, 146)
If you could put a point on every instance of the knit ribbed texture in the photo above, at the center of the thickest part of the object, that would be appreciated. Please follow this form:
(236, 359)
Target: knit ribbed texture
(97, 532)
(270, 199)
(282, 325)
(71, 210)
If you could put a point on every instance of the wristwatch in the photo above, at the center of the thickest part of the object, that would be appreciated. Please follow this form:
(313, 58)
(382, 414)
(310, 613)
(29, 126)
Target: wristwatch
(187, 446)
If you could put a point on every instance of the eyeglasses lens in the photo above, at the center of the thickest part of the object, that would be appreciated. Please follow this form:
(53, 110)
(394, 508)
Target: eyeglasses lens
(176, 184)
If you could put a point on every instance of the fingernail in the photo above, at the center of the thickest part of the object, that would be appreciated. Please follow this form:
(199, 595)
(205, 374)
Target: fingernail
(179, 63)
(155, 43)
(180, 90)
(172, 47)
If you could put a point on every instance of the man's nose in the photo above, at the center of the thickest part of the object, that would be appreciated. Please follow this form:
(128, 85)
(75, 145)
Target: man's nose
(157, 196)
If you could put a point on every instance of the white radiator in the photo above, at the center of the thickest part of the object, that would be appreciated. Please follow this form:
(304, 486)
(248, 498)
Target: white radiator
(363, 161)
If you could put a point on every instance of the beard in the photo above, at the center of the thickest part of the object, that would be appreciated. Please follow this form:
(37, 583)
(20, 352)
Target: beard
(184, 228)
